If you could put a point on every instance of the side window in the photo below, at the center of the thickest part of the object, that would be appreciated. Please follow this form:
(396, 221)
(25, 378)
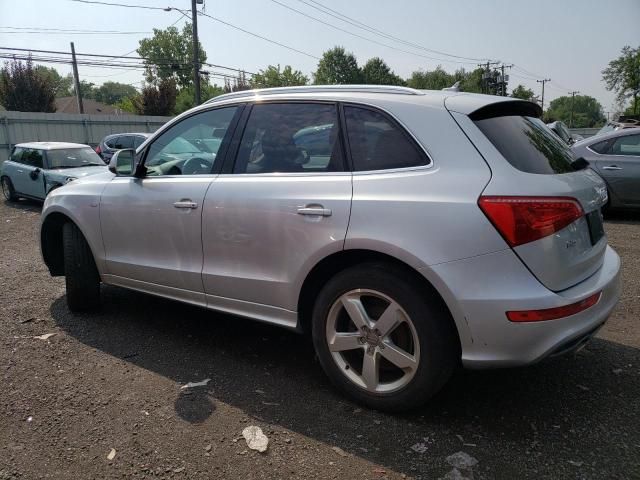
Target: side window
(137, 141)
(627, 145)
(16, 156)
(601, 147)
(111, 142)
(124, 141)
(290, 137)
(377, 143)
(191, 146)
(33, 158)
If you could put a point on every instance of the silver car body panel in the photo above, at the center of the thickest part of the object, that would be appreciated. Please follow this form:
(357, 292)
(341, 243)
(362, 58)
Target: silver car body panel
(252, 250)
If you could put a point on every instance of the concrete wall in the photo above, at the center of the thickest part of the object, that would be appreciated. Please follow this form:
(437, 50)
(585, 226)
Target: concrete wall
(20, 127)
(585, 132)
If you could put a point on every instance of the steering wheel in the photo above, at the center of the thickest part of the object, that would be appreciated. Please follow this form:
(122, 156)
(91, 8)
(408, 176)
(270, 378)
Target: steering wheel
(197, 166)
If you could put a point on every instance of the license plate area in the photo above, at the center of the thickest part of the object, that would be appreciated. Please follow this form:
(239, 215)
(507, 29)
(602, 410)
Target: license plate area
(596, 228)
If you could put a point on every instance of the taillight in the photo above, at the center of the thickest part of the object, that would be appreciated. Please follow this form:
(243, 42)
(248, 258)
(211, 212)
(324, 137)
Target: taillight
(98, 150)
(553, 313)
(522, 220)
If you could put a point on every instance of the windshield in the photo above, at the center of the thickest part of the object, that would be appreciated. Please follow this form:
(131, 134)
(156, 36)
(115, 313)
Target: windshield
(609, 127)
(73, 157)
(180, 145)
(528, 144)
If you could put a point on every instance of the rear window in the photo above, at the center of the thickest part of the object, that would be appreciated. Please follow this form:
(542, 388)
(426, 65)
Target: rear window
(528, 144)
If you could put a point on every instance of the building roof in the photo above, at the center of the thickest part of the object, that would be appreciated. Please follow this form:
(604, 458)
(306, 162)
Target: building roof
(51, 145)
(70, 105)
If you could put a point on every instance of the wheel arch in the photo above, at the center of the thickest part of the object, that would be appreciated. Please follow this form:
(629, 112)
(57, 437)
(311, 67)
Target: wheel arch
(336, 262)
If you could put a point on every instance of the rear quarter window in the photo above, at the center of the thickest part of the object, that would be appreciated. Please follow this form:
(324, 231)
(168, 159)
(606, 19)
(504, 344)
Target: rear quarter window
(528, 144)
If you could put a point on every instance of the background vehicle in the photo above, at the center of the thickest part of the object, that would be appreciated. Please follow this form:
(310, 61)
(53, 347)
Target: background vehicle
(560, 129)
(619, 125)
(407, 231)
(35, 169)
(616, 158)
(117, 141)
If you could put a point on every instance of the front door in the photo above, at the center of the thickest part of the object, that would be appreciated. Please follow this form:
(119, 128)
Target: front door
(29, 179)
(282, 207)
(620, 166)
(151, 226)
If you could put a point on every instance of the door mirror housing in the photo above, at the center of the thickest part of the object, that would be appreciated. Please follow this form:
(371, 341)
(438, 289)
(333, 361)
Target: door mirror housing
(122, 162)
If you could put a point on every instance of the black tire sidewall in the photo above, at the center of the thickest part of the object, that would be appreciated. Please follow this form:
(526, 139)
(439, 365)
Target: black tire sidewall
(439, 346)
(8, 193)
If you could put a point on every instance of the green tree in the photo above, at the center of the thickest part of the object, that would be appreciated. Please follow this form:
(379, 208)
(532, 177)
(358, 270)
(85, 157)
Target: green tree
(274, 77)
(431, 80)
(63, 85)
(239, 83)
(337, 67)
(587, 111)
(157, 99)
(87, 90)
(185, 99)
(623, 77)
(377, 72)
(24, 89)
(168, 54)
(522, 92)
(112, 92)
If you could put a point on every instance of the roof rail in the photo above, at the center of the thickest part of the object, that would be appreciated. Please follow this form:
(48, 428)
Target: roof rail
(318, 89)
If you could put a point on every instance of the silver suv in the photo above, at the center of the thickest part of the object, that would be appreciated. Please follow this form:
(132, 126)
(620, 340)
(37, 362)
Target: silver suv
(408, 231)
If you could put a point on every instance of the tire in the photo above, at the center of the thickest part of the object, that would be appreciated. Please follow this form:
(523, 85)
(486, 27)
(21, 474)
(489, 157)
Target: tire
(424, 334)
(81, 275)
(8, 191)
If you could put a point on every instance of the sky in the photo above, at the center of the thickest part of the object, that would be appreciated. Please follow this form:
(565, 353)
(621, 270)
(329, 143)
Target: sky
(568, 41)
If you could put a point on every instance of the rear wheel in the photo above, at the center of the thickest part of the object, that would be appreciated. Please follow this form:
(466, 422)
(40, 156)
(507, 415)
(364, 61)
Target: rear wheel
(81, 273)
(382, 340)
(7, 190)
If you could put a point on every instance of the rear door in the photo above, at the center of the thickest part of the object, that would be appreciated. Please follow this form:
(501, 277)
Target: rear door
(530, 164)
(151, 226)
(281, 207)
(620, 165)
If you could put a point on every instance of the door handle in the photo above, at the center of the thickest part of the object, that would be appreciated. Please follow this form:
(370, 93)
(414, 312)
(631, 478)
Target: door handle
(315, 211)
(612, 167)
(185, 204)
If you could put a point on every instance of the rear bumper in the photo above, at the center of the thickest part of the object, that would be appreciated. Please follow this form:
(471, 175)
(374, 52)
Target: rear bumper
(481, 289)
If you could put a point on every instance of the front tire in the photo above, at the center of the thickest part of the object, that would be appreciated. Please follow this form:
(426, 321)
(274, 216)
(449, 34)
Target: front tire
(8, 191)
(381, 339)
(81, 274)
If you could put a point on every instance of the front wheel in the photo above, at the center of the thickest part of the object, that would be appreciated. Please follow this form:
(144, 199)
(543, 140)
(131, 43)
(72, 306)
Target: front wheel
(7, 190)
(81, 274)
(382, 340)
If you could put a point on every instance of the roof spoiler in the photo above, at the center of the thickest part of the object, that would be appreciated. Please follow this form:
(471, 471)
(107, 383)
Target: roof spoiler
(507, 108)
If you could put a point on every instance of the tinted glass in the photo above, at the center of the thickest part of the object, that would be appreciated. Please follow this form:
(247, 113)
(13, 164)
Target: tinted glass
(627, 145)
(601, 147)
(287, 138)
(528, 144)
(111, 142)
(377, 143)
(137, 141)
(190, 147)
(74, 157)
(33, 158)
(125, 141)
(16, 156)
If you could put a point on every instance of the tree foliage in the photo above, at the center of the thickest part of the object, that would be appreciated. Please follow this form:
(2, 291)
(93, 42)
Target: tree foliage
(587, 111)
(157, 99)
(623, 77)
(274, 77)
(169, 54)
(337, 67)
(185, 99)
(377, 72)
(24, 89)
(522, 92)
(238, 84)
(63, 85)
(439, 78)
(113, 92)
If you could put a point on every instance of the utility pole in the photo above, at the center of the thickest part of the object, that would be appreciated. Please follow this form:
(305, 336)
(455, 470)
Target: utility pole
(486, 76)
(196, 51)
(503, 80)
(76, 79)
(543, 81)
(573, 94)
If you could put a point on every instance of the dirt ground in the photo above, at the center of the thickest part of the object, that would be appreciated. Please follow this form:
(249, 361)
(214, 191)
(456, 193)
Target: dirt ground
(110, 384)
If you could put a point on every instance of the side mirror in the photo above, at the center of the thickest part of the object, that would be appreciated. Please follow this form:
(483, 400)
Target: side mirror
(122, 162)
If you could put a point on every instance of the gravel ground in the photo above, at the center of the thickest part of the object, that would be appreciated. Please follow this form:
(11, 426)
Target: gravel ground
(112, 380)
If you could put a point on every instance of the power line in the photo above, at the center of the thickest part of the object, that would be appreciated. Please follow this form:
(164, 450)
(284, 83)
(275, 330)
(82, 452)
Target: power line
(119, 4)
(363, 37)
(363, 26)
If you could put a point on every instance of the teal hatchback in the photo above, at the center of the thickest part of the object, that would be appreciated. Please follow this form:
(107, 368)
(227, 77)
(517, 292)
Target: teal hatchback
(35, 169)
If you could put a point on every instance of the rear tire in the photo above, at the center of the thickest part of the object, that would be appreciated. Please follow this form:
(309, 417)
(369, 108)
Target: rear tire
(81, 274)
(8, 191)
(413, 360)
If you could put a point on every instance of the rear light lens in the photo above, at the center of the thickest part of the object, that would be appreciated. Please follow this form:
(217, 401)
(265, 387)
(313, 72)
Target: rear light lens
(553, 313)
(522, 220)
(98, 150)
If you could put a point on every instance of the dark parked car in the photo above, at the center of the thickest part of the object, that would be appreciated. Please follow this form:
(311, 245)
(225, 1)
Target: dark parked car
(615, 156)
(561, 130)
(118, 141)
